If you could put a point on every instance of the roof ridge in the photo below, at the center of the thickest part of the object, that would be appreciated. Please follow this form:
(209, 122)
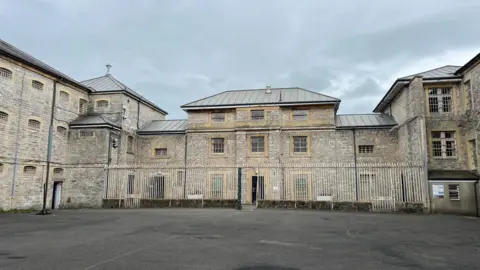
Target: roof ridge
(203, 98)
(117, 82)
(430, 71)
(94, 78)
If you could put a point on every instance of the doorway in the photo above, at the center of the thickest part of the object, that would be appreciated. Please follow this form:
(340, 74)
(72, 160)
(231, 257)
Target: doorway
(258, 188)
(57, 194)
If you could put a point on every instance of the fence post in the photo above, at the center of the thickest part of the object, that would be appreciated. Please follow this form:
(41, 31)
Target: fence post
(239, 189)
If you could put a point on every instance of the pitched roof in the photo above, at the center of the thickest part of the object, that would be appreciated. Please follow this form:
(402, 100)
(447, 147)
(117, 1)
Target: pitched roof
(364, 120)
(451, 175)
(164, 127)
(108, 83)
(92, 120)
(278, 96)
(447, 71)
(468, 64)
(15, 53)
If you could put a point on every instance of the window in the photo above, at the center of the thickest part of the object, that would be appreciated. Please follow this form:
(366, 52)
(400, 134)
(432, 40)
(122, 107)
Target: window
(301, 187)
(159, 152)
(1, 167)
(257, 144)
(443, 144)
(102, 103)
(30, 170)
(82, 106)
(180, 178)
(218, 145)
(3, 116)
(454, 192)
(5, 73)
(57, 172)
(300, 144)
(64, 96)
(440, 100)
(34, 124)
(257, 114)
(468, 94)
(62, 131)
(299, 114)
(86, 133)
(472, 146)
(131, 182)
(364, 149)
(130, 144)
(218, 117)
(37, 85)
(217, 185)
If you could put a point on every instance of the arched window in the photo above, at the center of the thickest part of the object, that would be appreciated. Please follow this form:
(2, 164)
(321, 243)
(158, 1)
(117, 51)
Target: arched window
(61, 130)
(5, 73)
(37, 85)
(102, 103)
(64, 96)
(3, 116)
(30, 170)
(82, 106)
(33, 124)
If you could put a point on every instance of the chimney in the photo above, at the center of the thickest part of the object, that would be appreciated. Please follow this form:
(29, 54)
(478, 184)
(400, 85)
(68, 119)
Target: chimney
(108, 69)
(268, 91)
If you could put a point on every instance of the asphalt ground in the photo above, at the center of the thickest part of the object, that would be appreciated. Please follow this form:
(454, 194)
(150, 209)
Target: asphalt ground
(237, 240)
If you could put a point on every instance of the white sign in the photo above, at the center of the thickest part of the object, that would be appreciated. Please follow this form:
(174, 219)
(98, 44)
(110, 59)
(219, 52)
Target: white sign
(437, 191)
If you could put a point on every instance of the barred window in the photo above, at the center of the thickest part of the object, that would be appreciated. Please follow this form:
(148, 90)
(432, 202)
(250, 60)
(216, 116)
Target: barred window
(468, 93)
(454, 192)
(300, 144)
(57, 172)
(102, 103)
(160, 152)
(37, 85)
(364, 149)
(61, 130)
(33, 124)
(64, 96)
(86, 133)
(301, 187)
(440, 100)
(3, 116)
(131, 183)
(82, 106)
(130, 144)
(5, 73)
(257, 144)
(30, 170)
(299, 114)
(257, 114)
(218, 117)
(443, 144)
(218, 145)
(217, 185)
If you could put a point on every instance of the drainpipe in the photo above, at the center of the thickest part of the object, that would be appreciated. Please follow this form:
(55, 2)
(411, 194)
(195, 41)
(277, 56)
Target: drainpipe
(49, 152)
(185, 170)
(355, 163)
(109, 159)
(15, 155)
(475, 191)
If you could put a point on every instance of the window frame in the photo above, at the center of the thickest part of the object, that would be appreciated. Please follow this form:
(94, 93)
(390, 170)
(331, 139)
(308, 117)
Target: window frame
(308, 180)
(84, 134)
(40, 86)
(130, 144)
(212, 145)
(29, 167)
(366, 149)
(250, 144)
(454, 190)
(256, 118)
(160, 148)
(223, 190)
(60, 132)
(307, 145)
(130, 184)
(214, 119)
(439, 99)
(32, 120)
(102, 100)
(4, 119)
(8, 71)
(442, 140)
(81, 110)
(293, 114)
(2, 167)
(66, 95)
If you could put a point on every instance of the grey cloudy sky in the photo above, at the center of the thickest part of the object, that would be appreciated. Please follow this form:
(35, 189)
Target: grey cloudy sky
(174, 52)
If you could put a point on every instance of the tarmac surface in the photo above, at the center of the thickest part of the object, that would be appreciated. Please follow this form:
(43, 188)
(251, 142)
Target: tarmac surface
(236, 240)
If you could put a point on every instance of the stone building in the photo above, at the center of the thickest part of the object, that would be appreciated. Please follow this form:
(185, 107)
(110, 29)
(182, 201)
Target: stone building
(427, 119)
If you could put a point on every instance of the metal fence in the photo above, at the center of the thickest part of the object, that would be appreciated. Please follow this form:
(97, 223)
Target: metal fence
(383, 185)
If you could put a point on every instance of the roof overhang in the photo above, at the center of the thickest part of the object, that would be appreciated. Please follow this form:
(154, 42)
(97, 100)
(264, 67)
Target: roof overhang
(467, 66)
(279, 104)
(442, 80)
(80, 126)
(390, 95)
(149, 104)
(452, 176)
(365, 127)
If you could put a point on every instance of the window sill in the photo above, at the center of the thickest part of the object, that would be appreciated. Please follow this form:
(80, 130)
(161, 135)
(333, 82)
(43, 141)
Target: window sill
(161, 157)
(445, 158)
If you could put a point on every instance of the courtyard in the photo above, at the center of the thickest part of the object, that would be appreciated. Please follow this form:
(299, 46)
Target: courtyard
(230, 239)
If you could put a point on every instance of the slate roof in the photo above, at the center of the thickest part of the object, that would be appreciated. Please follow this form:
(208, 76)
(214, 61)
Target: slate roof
(364, 120)
(92, 120)
(447, 71)
(451, 175)
(278, 96)
(13, 52)
(108, 83)
(164, 127)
